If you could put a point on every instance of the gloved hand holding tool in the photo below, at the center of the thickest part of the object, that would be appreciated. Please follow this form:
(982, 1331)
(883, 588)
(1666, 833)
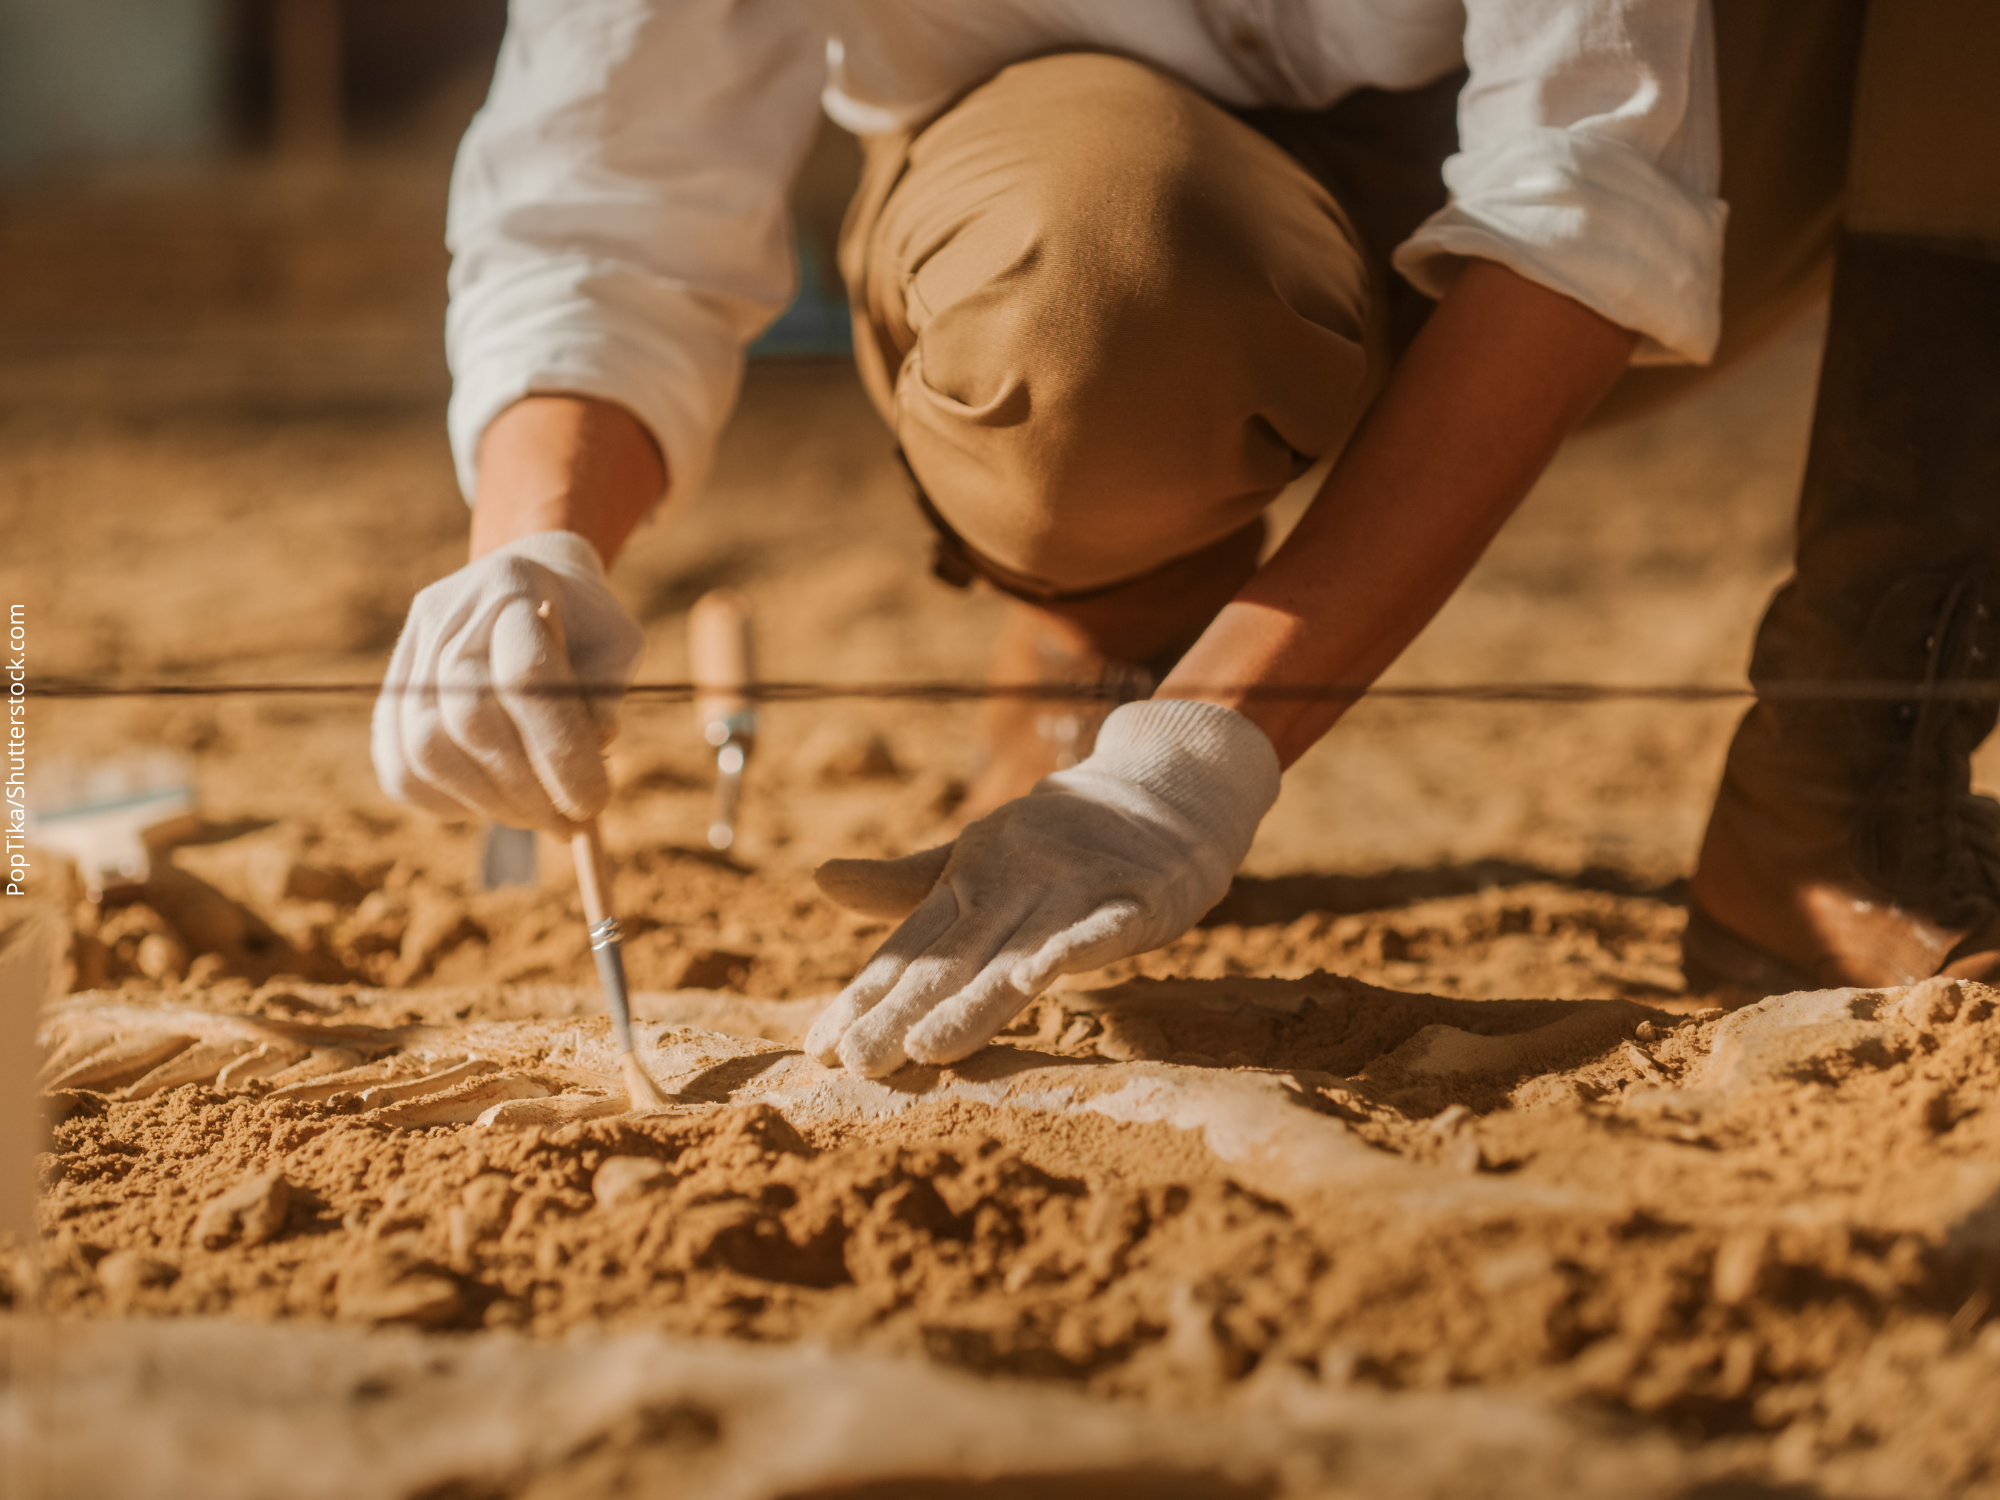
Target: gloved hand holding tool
(1112, 857)
(495, 706)
(502, 693)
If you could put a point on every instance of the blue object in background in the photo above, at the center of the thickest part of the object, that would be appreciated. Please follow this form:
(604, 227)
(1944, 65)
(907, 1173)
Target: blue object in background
(104, 79)
(815, 323)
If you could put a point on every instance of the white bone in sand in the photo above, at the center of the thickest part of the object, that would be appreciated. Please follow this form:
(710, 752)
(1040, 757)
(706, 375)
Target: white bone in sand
(201, 1063)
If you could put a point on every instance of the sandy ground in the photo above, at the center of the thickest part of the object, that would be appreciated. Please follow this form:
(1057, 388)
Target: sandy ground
(1413, 1170)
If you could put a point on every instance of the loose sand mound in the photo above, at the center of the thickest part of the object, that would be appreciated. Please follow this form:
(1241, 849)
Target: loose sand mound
(1242, 1230)
(1189, 1192)
(384, 898)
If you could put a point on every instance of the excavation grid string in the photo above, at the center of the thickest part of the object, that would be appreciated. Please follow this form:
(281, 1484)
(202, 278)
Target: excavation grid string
(1854, 691)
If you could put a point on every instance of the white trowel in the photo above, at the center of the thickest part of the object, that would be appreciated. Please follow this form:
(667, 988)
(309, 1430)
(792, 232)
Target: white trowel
(112, 816)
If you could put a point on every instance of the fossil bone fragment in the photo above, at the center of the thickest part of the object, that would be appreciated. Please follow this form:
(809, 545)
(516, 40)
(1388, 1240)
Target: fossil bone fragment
(201, 1063)
(261, 1061)
(463, 1104)
(121, 1061)
(319, 1062)
(434, 1082)
(563, 1109)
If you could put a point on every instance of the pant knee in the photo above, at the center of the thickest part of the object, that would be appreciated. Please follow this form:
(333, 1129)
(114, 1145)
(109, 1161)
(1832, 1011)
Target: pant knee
(1131, 319)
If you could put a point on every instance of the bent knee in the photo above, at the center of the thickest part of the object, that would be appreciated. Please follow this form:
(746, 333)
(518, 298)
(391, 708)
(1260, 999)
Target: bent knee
(1096, 185)
(1132, 318)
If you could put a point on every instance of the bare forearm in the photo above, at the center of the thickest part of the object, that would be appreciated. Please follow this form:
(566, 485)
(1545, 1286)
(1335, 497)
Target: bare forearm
(1501, 374)
(565, 463)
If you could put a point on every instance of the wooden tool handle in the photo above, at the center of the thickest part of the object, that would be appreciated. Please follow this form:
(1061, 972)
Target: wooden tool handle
(593, 874)
(721, 653)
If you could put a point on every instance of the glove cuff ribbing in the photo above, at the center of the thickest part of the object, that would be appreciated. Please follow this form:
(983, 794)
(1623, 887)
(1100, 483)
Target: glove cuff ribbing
(1209, 763)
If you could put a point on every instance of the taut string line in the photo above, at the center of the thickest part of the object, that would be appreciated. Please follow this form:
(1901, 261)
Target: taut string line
(947, 691)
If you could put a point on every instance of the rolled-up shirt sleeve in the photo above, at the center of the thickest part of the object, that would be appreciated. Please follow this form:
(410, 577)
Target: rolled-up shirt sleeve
(617, 221)
(1588, 163)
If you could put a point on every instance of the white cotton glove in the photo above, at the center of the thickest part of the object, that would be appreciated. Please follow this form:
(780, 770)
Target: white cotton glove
(887, 888)
(481, 710)
(1110, 858)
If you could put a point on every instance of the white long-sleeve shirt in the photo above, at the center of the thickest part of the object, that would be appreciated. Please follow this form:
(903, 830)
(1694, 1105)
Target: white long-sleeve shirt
(618, 223)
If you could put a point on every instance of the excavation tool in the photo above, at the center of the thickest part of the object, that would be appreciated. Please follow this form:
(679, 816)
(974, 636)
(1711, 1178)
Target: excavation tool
(593, 882)
(114, 816)
(593, 879)
(720, 650)
(508, 858)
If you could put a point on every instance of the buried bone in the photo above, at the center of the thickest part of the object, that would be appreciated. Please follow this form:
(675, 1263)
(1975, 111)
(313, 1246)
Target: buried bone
(122, 1060)
(564, 1109)
(430, 1083)
(354, 1080)
(319, 1062)
(262, 1061)
(69, 1052)
(201, 1063)
(463, 1104)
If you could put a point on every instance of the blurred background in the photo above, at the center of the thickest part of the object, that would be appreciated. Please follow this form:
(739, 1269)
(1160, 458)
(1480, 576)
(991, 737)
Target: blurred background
(96, 80)
(222, 457)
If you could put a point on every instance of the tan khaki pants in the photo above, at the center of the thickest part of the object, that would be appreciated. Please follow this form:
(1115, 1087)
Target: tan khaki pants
(1109, 320)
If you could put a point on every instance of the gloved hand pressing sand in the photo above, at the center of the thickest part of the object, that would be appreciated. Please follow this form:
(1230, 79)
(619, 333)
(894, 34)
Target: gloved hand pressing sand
(505, 688)
(1110, 858)
(890, 888)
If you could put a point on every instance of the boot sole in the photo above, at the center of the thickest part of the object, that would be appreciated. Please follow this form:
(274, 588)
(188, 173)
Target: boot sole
(1714, 958)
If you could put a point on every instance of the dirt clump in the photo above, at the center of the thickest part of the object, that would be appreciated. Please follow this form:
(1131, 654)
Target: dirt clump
(365, 901)
(1572, 1200)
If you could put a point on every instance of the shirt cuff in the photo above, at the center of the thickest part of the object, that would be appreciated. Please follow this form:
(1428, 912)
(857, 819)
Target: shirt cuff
(1590, 218)
(656, 351)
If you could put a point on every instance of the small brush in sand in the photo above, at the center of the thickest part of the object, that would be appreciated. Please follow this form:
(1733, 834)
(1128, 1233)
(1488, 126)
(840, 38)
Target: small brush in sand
(593, 880)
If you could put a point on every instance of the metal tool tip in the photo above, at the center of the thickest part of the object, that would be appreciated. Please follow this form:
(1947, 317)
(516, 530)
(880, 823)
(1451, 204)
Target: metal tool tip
(720, 835)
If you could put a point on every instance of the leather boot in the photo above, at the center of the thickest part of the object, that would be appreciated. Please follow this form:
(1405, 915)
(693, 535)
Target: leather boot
(1846, 846)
